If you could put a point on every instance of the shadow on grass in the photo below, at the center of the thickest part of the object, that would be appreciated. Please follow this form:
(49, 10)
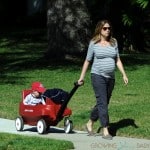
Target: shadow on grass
(121, 124)
(133, 61)
(22, 48)
(114, 127)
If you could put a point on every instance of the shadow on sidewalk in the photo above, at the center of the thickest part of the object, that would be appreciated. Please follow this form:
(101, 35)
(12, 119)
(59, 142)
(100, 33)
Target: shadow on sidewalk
(113, 127)
(49, 130)
(121, 124)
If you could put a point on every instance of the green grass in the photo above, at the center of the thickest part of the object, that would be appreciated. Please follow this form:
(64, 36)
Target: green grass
(22, 62)
(18, 142)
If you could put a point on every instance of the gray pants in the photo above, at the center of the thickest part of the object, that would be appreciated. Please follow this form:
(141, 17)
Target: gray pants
(103, 88)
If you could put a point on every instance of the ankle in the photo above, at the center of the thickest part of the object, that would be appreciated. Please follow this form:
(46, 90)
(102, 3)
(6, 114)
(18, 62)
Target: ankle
(105, 131)
(90, 125)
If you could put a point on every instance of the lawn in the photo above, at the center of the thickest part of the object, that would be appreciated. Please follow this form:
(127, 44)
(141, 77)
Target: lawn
(18, 142)
(22, 62)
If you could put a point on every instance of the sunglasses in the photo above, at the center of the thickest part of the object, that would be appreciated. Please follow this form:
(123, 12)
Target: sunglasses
(106, 28)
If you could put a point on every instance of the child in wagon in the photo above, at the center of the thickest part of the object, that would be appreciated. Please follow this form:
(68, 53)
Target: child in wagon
(35, 97)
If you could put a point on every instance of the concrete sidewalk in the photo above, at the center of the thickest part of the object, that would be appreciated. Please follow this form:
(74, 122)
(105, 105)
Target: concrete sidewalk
(80, 139)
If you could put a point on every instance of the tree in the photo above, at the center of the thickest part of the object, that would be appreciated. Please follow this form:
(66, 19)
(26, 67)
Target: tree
(130, 19)
(135, 19)
(68, 25)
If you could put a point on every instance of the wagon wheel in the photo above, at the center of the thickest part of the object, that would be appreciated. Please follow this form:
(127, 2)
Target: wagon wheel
(41, 126)
(68, 125)
(19, 124)
(47, 127)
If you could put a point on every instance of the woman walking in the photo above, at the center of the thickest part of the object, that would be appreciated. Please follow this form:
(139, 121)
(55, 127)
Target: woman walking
(104, 55)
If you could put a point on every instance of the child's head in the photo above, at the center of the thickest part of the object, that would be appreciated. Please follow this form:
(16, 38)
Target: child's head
(37, 88)
(36, 94)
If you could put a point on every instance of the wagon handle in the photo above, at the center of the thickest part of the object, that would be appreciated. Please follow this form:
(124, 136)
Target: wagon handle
(76, 83)
(64, 105)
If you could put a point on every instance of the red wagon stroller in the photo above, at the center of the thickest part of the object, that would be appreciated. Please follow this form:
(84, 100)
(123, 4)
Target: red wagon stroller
(44, 116)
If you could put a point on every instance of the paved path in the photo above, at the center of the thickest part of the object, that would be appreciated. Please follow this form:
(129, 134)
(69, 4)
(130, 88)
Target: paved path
(80, 139)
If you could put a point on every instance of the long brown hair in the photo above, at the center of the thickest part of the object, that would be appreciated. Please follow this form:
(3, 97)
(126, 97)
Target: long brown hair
(96, 36)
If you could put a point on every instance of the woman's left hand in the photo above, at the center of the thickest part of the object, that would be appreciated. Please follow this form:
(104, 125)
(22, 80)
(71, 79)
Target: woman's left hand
(125, 79)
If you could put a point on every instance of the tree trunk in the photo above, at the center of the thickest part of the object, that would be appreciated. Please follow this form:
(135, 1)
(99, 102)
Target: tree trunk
(68, 25)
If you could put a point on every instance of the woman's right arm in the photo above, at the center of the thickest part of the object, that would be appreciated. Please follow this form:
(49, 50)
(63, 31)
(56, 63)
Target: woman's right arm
(83, 72)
